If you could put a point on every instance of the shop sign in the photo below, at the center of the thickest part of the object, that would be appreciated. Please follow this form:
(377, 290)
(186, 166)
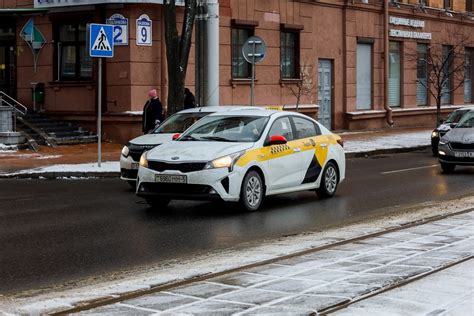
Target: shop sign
(407, 22)
(120, 24)
(69, 3)
(144, 31)
(34, 38)
(410, 34)
(394, 20)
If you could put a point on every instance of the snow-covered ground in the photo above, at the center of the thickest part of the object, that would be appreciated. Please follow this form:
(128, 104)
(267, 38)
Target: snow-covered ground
(108, 166)
(403, 140)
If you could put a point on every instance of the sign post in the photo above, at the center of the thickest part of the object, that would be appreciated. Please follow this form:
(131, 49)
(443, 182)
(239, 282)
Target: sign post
(254, 50)
(101, 44)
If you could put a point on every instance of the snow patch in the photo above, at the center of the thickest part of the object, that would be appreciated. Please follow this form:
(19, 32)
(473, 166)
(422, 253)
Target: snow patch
(109, 166)
(407, 140)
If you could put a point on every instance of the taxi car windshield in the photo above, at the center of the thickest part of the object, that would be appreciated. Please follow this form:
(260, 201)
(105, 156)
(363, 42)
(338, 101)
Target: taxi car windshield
(179, 122)
(227, 129)
(467, 121)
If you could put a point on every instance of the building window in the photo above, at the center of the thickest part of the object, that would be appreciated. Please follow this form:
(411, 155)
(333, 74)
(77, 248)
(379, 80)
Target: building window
(469, 5)
(72, 58)
(446, 76)
(394, 77)
(364, 76)
(447, 4)
(289, 54)
(241, 69)
(468, 74)
(421, 75)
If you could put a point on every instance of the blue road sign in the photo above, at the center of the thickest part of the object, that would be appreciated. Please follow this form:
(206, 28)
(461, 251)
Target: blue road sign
(101, 40)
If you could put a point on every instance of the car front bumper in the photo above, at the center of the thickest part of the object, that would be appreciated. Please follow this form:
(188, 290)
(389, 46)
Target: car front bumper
(208, 184)
(128, 168)
(450, 156)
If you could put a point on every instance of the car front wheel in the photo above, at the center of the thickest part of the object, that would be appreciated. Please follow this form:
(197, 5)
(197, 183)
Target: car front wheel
(251, 193)
(329, 181)
(447, 167)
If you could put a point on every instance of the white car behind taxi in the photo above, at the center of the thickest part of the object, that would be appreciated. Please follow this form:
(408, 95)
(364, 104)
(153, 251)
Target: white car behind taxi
(243, 156)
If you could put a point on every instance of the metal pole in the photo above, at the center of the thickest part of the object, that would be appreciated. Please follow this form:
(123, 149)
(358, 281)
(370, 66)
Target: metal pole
(212, 54)
(99, 114)
(253, 74)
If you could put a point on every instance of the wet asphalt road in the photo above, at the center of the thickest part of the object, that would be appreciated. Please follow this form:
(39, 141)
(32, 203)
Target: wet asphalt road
(56, 232)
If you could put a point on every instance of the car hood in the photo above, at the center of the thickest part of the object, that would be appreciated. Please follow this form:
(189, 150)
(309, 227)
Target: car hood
(460, 135)
(152, 139)
(444, 127)
(195, 150)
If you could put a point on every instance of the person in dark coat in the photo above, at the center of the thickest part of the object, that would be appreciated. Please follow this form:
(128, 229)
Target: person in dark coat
(189, 100)
(152, 112)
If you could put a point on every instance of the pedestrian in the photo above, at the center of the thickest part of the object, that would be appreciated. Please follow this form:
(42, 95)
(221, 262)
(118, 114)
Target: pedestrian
(152, 112)
(189, 100)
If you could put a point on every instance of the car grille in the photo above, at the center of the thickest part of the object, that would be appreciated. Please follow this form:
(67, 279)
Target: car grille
(461, 146)
(183, 167)
(135, 151)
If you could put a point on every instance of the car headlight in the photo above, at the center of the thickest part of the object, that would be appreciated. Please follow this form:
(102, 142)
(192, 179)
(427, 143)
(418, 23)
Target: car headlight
(224, 162)
(434, 134)
(125, 151)
(143, 161)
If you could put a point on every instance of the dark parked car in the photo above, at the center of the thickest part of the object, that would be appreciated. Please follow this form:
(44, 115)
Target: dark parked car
(456, 147)
(445, 127)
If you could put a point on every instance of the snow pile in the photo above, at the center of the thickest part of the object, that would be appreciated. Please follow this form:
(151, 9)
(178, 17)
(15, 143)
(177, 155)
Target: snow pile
(8, 148)
(401, 140)
(109, 166)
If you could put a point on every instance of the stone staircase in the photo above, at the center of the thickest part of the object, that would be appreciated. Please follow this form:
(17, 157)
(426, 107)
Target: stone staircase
(43, 130)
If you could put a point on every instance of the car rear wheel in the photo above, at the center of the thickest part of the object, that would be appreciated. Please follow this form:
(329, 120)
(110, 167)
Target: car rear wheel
(251, 192)
(447, 167)
(329, 181)
(158, 202)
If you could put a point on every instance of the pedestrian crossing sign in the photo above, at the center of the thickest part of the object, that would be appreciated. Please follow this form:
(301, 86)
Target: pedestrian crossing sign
(101, 42)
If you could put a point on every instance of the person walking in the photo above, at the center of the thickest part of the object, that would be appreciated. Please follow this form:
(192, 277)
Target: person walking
(189, 100)
(152, 112)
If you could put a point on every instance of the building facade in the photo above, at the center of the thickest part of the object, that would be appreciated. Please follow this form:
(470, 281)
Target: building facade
(360, 61)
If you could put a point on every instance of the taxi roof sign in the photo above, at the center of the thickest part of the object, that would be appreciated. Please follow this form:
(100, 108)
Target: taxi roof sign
(101, 41)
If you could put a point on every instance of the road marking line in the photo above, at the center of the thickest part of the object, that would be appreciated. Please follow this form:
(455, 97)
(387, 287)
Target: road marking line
(409, 169)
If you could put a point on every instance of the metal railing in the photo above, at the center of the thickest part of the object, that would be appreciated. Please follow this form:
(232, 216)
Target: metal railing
(17, 107)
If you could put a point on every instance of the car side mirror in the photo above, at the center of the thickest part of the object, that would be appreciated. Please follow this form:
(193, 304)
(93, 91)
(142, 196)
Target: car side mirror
(277, 140)
(453, 125)
(175, 136)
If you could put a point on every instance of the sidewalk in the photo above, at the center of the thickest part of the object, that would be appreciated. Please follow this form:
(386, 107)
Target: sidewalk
(81, 160)
(389, 274)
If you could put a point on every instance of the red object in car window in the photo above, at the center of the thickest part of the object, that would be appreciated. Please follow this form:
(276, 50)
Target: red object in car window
(175, 136)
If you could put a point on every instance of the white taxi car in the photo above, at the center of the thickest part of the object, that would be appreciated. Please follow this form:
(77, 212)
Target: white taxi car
(243, 156)
(176, 123)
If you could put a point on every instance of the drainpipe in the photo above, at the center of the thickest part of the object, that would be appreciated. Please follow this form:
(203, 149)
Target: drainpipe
(388, 115)
(211, 93)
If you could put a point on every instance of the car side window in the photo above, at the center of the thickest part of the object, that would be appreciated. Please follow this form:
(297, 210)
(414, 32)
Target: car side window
(305, 128)
(282, 127)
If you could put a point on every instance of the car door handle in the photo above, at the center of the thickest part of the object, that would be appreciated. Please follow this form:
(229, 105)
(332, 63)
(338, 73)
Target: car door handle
(323, 145)
(296, 150)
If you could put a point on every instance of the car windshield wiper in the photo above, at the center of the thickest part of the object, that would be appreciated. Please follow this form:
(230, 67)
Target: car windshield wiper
(188, 137)
(217, 138)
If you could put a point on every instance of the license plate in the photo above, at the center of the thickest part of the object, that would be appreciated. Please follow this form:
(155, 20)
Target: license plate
(166, 178)
(134, 165)
(464, 154)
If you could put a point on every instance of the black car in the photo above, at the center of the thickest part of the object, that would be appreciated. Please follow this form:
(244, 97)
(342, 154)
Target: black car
(457, 146)
(445, 127)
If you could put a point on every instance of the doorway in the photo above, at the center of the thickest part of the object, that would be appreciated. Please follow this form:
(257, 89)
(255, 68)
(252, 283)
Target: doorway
(325, 92)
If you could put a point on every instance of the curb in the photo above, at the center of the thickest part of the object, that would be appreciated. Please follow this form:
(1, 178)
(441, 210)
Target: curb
(386, 151)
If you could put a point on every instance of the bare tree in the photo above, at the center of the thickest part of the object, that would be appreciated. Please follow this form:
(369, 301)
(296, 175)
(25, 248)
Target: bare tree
(444, 70)
(177, 50)
(304, 86)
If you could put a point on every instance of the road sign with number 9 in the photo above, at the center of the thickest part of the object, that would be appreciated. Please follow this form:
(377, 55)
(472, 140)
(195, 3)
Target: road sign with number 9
(144, 37)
